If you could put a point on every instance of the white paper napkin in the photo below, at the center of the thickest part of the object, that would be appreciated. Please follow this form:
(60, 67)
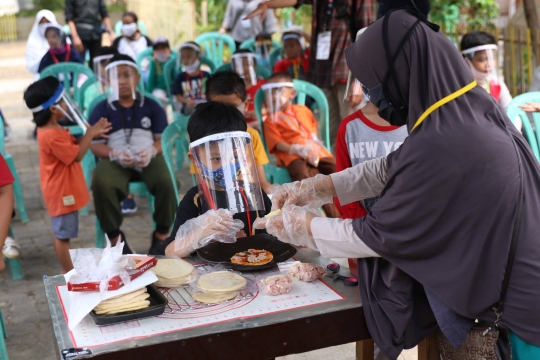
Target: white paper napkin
(82, 302)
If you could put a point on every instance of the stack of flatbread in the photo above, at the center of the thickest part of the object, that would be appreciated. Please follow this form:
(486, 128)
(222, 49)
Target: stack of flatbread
(218, 286)
(135, 300)
(172, 273)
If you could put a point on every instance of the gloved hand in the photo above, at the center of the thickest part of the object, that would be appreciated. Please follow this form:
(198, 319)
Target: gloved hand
(311, 192)
(308, 152)
(144, 156)
(123, 157)
(217, 225)
(292, 226)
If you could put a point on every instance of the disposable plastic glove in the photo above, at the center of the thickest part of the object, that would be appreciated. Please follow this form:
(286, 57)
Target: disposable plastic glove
(213, 225)
(144, 156)
(123, 157)
(311, 192)
(308, 152)
(292, 226)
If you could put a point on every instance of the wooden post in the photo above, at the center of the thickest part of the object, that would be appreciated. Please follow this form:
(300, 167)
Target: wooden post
(204, 13)
(532, 13)
(428, 349)
(365, 349)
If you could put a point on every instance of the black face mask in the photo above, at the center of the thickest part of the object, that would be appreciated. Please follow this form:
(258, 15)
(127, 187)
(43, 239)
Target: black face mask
(395, 111)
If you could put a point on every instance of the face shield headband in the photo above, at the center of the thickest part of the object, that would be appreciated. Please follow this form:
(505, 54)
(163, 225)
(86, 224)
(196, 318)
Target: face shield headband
(55, 99)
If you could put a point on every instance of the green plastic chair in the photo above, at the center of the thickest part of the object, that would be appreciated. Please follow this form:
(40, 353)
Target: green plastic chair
(275, 55)
(260, 70)
(15, 267)
(279, 175)
(169, 139)
(250, 45)
(118, 27)
(212, 44)
(3, 336)
(513, 111)
(17, 189)
(135, 187)
(70, 69)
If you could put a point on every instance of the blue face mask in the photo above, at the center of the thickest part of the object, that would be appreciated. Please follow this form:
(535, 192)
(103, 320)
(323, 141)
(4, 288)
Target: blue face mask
(218, 175)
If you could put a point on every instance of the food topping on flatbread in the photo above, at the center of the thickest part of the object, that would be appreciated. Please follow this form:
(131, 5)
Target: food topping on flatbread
(252, 257)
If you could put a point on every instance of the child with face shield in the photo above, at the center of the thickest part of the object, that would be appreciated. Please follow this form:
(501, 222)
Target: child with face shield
(263, 49)
(59, 50)
(244, 63)
(296, 59)
(156, 78)
(62, 181)
(188, 87)
(291, 134)
(479, 49)
(228, 197)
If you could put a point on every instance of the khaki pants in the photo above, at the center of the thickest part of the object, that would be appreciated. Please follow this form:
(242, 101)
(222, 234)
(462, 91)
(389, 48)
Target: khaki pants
(299, 169)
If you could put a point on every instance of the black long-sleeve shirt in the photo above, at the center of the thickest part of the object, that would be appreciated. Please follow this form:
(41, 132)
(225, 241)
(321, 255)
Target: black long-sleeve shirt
(86, 14)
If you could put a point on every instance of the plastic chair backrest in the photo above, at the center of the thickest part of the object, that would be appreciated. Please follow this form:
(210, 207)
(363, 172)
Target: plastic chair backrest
(303, 88)
(212, 44)
(206, 61)
(102, 97)
(118, 27)
(513, 111)
(249, 44)
(261, 70)
(168, 141)
(277, 54)
(70, 70)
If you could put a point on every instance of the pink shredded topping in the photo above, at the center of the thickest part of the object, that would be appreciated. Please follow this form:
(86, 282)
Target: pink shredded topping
(277, 285)
(307, 272)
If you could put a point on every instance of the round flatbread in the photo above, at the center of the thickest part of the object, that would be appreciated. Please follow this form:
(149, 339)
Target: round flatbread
(119, 302)
(133, 308)
(252, 257)
(108, 308)
(172, 283)
(221, 281)
(126, 297)
(172, 268)
(212, 298)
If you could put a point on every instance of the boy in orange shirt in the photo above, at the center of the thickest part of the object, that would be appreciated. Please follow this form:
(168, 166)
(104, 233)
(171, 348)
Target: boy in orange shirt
(291, 134)
(62, 181)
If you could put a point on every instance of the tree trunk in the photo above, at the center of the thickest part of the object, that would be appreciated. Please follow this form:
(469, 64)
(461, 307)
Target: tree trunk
(532, 13)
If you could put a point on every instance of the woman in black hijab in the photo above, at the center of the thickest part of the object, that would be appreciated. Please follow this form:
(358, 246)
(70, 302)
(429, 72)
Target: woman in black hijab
(436, 244)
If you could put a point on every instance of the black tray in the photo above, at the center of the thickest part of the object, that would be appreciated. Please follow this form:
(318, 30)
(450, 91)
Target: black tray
(157, 307)
(218, 252)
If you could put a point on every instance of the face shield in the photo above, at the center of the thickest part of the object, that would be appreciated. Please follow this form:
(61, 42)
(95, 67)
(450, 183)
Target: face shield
(263, 49)
(99, 65)
(63, 102)
(56, 38)
(483, 62)
(244, 64)
(278, 96)
(353, 85)
(122, 78)
(226, 172)
(189, 57)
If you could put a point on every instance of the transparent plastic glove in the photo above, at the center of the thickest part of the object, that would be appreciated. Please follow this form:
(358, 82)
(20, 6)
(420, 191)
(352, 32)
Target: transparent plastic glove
(312, 192)
(123, 157)
(214, 225)
(144, 156)
(292, 226)
(301, 150)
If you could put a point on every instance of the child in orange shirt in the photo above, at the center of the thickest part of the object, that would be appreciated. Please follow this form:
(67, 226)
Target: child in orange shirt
(291, 134)
(62, 180)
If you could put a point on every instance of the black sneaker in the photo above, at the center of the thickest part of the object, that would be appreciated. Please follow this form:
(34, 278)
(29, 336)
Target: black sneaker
(126, 250)
(158, 246)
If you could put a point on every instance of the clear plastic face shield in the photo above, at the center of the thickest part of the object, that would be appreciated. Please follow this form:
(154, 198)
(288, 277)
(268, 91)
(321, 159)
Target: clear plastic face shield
(226, 172)
(99, 65)
(483, 62)
(55, 36)
(65, 104)
(245, 65)
(122, 78)
(189, 57)
(353, 85)
(278, 96)
(263, 49)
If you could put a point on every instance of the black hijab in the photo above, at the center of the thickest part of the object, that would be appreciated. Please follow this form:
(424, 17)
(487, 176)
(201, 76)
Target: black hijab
(444, 221)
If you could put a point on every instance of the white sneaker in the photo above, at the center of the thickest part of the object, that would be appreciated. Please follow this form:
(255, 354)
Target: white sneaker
(11, 248)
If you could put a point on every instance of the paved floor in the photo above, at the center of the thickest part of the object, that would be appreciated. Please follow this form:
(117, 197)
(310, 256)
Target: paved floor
(23, 302)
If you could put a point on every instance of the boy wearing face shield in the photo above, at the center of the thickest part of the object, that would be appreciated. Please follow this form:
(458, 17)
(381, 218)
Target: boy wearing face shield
(479, 49)
(291, 134)
(62, 181)
(227, 198)
(59, 50)
(188, 87)
(156, 78)
(131, 153)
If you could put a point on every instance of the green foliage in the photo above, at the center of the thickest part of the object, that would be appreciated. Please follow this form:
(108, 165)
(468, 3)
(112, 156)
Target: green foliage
(468, 14)
(52, 5)
(216, 12)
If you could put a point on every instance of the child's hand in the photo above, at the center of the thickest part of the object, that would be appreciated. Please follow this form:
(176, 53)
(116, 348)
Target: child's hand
(191, 103)
(123, 157)
(144, 156)
(530, 107)
(100, 129)
(301, 150)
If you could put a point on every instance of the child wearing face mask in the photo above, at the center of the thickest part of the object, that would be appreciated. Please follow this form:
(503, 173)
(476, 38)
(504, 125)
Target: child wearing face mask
(156, 79)
(132, 42)
(62, 181)
(479, 49)
(59, 50)
(189, 85)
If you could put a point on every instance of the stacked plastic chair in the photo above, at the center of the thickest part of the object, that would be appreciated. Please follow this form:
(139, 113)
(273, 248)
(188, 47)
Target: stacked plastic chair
(212, 44)
(514, 112)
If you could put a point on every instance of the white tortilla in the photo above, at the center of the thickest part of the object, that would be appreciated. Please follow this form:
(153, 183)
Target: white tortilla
(212, 298)
(171, 283)
(273, 213)
(133, 308)
(221, 281)
(172, 268)
(128, 296)
(137, 298)
(109, 308)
